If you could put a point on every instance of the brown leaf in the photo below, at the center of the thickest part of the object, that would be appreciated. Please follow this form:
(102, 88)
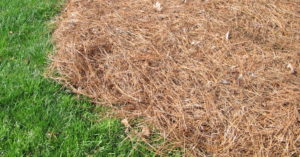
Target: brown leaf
(145, 131)
(125, 123)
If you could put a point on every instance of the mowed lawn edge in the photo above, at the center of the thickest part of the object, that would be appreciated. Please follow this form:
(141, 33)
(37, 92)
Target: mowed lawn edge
(37, 117)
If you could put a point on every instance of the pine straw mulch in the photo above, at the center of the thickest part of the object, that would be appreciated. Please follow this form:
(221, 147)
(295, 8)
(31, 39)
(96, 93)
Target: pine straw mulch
(212, 76)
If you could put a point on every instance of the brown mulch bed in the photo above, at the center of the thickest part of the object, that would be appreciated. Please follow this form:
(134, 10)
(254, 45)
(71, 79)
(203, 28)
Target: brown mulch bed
(213, 76)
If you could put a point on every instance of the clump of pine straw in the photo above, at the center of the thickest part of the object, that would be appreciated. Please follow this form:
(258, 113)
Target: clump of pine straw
(212, 76)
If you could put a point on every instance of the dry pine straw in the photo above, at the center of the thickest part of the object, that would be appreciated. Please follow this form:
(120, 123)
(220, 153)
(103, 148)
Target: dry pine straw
(212, 76)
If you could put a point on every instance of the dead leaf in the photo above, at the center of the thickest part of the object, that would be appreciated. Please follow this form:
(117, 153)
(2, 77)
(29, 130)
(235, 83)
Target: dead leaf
(157, 6)
(125, 123)
(227, 35)
(145, 131)
(292, 70)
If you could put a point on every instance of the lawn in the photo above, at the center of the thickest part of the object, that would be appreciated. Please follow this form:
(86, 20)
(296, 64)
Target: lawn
(37, 116)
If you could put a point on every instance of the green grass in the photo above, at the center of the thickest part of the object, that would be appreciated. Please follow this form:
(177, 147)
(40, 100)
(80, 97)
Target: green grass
(37, 117)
